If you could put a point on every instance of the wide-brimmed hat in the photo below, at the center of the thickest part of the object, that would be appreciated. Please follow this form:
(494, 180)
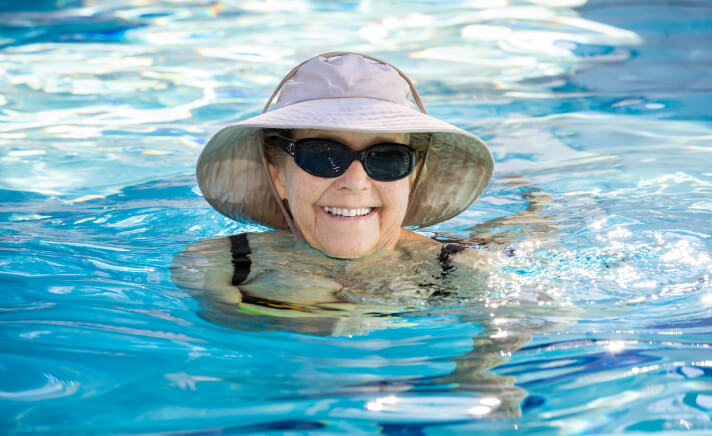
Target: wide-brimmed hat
(348, 92)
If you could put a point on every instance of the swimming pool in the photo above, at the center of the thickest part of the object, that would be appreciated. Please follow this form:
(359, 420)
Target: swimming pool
(598, 116)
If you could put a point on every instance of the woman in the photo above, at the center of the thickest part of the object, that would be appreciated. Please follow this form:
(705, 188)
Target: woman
(342, 165)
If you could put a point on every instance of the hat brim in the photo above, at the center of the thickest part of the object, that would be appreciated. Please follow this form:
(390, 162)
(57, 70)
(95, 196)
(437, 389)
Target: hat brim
(233, 178)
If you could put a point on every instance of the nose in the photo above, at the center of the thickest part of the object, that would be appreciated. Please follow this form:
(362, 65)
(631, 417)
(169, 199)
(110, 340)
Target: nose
(354, 178)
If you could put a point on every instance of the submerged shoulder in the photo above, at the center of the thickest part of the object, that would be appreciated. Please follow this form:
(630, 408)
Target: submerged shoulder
(206, 265)
(464, 255)
(205, 250)
(274, 238)
(455, 252)
(221, 248)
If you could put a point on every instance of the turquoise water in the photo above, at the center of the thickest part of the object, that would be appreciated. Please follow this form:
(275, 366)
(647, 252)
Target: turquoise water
(596, 318)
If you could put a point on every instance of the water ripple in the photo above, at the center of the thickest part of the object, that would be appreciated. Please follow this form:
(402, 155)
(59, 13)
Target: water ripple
(593, 318)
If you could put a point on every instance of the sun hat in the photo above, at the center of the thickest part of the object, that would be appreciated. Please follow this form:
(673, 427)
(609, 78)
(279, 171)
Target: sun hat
(349, 92)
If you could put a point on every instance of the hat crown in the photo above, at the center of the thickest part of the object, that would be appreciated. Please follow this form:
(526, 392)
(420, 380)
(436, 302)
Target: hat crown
(347, 76)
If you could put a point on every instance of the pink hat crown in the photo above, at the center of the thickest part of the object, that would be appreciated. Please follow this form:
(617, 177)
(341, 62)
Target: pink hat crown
(347, 76)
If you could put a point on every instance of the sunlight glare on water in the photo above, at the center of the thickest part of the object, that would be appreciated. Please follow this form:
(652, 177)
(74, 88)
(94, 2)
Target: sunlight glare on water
(592, 316)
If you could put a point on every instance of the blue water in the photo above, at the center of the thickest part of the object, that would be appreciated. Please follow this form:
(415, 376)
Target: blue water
(598, 114)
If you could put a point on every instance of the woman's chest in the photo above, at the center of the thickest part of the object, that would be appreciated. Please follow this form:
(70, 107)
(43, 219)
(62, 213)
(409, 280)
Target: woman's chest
(396, 277)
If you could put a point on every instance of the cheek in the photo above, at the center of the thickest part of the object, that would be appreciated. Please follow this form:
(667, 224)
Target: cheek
(395, 195)
(303, 190)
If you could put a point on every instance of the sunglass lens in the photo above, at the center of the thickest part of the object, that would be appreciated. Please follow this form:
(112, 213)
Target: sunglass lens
(322, 158)
(389, 163)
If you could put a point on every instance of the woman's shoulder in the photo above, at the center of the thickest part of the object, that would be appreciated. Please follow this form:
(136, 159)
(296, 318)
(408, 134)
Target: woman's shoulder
(244, 243)
(465, 255)
(275, 238)
(410, 241)
(409, 235)
(205, 264)
(211, 251)
(448, 252)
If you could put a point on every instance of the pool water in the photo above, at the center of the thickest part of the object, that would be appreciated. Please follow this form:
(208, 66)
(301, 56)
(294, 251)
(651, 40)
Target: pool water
(597, 315)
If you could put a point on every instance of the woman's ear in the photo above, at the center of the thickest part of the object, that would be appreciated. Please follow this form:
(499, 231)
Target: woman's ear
(276, 173)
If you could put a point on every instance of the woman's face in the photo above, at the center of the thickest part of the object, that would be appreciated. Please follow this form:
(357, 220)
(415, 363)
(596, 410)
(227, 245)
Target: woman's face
(320, 205)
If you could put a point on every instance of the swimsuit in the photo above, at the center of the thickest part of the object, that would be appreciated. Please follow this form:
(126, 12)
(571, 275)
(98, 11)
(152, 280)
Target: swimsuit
(240, 249)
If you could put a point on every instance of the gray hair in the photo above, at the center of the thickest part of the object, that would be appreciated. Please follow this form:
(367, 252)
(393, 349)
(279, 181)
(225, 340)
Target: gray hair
(274, 154)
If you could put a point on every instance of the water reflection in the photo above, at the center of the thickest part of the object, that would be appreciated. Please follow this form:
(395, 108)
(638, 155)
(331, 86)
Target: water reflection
(606, 124)
(212, 62)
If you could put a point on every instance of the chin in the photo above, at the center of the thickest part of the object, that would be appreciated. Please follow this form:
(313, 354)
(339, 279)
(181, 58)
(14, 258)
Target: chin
(348, 249)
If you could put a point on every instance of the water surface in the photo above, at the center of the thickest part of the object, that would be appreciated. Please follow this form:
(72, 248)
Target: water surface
(599, 120)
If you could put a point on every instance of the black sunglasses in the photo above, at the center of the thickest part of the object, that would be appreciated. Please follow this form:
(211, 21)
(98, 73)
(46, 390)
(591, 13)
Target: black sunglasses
(319, 157)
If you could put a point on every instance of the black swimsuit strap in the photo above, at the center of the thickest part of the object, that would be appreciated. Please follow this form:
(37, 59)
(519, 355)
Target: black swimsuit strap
(445, 261)
(240, 248)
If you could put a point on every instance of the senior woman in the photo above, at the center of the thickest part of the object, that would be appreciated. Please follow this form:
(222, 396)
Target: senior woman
(341, 165)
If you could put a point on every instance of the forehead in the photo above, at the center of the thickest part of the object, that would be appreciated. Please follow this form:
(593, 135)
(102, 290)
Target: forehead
(352, 139)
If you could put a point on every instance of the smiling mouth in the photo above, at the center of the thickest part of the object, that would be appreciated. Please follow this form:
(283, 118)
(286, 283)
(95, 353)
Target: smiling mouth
(349, 213)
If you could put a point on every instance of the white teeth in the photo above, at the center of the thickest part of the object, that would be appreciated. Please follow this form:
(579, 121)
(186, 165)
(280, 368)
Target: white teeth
(348, 212)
